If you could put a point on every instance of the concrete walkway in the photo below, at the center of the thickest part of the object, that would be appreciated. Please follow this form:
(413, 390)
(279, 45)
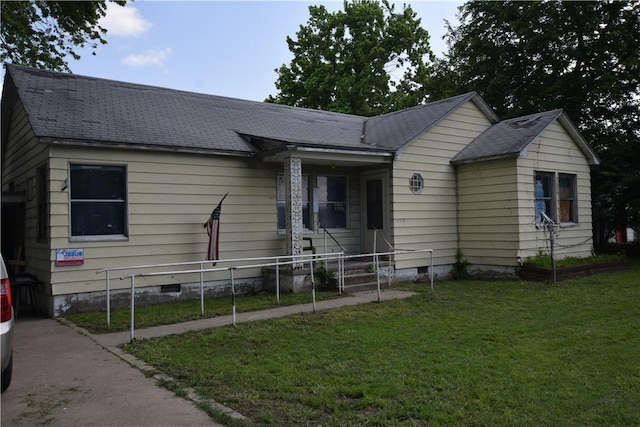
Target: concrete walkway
(118, 338)
(65, 376)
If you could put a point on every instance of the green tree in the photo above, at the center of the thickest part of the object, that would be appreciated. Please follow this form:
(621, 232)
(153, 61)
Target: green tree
(42, 34)
(366, 60)
(524, 57)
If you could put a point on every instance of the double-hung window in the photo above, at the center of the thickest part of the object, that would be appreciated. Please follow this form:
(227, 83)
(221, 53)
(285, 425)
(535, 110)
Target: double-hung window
(332, 201)
(98, 200)
(567, 206)
(544, 190)
(555, 199)
(282, 199)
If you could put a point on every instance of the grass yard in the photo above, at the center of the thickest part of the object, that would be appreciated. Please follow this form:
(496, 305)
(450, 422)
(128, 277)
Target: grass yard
(472, 353)
(183, 311)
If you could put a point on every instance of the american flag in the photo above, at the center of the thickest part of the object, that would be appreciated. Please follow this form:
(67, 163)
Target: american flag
(213, 230)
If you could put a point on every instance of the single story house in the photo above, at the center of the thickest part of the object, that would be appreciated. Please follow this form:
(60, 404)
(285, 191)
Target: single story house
(99, 173)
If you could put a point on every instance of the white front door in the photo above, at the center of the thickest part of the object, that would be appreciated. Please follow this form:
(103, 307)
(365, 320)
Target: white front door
(375, 212)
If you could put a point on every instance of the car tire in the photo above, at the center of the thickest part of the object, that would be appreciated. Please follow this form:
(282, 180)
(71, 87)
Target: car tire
(6, 375)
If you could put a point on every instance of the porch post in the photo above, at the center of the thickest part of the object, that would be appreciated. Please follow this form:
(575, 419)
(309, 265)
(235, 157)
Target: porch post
(293, 207)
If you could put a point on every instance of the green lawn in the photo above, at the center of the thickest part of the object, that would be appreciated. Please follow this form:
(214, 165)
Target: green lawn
(183, 311)
(472, 353)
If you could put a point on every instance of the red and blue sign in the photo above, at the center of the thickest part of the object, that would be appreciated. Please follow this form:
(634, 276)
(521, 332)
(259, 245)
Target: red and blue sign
(69, 256)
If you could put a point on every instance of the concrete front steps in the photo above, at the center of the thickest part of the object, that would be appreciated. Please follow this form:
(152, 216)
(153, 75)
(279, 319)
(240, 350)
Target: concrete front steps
(360, 276)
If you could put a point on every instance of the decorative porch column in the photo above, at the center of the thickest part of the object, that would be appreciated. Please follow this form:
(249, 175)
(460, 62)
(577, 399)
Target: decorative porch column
(293, 207)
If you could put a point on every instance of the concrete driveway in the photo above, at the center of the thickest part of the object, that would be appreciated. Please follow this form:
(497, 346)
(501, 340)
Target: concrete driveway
(64, 378)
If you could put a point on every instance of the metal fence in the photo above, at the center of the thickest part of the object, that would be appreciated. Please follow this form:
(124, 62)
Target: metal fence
(248, 263)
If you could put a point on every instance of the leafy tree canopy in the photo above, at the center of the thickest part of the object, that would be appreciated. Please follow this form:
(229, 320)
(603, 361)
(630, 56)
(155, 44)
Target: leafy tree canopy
(524, 57)
(42, 34)
(366, 60)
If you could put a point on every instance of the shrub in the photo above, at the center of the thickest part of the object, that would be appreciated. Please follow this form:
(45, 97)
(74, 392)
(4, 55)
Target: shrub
(459, 270)
(543, 260)
(326, 278)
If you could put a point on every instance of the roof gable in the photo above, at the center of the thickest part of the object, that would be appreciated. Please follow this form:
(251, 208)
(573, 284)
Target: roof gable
(398, 129)
(511, 138)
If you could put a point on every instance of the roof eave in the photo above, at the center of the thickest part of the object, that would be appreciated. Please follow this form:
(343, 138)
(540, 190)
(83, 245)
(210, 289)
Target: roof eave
(484, 159)
(485, 108)
(9, 98)
(575, 134)
(586, 149)
(331, 155)
(143, 147)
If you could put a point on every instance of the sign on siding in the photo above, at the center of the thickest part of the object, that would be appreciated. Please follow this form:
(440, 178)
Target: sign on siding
(69, 256)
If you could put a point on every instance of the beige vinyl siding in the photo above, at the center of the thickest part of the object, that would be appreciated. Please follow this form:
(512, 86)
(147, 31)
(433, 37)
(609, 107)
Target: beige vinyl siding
(24, 154)
(170, 197)
(428, 220)
(555, 151)
(488, 212)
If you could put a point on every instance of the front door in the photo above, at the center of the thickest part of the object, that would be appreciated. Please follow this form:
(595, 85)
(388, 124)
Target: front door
(375, 212)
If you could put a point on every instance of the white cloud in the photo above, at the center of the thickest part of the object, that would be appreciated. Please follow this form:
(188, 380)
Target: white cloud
(124, 21)
(149, 57)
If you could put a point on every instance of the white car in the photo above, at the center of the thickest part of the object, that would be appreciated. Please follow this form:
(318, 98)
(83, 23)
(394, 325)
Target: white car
(6, 326)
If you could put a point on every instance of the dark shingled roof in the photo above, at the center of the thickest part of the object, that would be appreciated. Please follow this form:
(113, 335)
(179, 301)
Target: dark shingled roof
(71, 109)
(85, 109)
(405, 125)
(507, 138)
(510, 138)
(75, 109)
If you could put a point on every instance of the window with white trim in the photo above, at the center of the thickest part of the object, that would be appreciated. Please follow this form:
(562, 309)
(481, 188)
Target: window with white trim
(332, 201)
(98, 200)
(416, 183)
(556, 199)
(544, 190)
(567, 206)
(282, 199)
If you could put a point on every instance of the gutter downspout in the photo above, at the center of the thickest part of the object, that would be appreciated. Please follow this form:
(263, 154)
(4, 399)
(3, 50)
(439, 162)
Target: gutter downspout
(455, 169)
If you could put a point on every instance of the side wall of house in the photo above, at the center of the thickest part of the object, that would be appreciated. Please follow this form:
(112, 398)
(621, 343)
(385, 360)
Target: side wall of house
(170, 197)
(428, 220)
(23, 156)
(554, 151)
(488, 212)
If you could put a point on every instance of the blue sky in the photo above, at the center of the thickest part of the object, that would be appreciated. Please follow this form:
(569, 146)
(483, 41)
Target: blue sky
(228, 48)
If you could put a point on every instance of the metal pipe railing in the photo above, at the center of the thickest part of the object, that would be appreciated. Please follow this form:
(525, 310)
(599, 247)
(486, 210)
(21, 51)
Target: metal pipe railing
(375, 231)
(327, 233)
(232, 278)
(108, 270)
(297, 259)
(375, 249)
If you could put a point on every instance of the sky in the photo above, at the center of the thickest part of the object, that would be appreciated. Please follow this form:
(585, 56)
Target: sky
(227, 48)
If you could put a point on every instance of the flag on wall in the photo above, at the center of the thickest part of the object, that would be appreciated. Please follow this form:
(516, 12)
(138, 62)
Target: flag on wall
(213, 230)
